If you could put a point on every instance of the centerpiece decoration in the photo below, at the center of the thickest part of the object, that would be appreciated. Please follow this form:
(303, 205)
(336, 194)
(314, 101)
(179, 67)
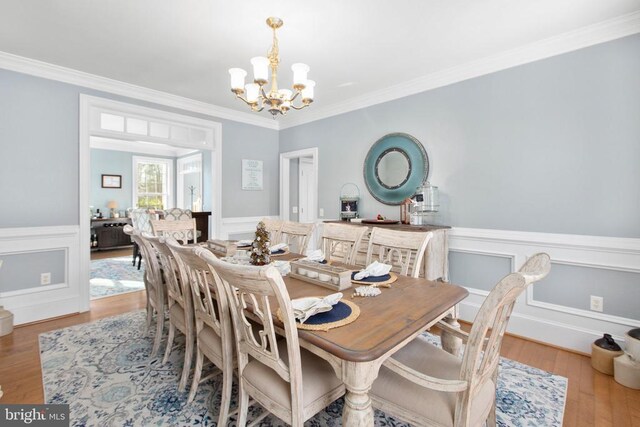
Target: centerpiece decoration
(260, 253)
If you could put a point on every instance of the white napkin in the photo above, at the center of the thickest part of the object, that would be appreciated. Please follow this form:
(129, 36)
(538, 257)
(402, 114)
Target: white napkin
(374, 269)
(278, 247)
(303, 308)
(284, 267)
(314, 255)
(247, 242)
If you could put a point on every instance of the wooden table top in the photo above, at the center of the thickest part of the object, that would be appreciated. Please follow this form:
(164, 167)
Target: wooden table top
(385, 321)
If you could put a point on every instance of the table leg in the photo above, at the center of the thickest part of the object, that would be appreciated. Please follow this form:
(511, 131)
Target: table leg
(450, 343)
(358, 378)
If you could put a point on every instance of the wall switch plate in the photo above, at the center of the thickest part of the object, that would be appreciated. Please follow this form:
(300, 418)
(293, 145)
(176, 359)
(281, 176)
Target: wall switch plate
(321, 213)
(294, 209)
(597, 303)
(45, 278)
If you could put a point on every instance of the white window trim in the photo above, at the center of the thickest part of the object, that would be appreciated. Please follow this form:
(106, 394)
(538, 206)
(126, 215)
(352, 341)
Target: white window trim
(170, 201)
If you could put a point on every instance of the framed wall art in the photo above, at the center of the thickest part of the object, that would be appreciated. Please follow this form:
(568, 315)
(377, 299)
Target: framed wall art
(111, 181)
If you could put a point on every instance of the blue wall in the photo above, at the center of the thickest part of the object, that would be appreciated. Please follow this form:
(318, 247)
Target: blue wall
(39, 154)
(551, 146)
(114, 163)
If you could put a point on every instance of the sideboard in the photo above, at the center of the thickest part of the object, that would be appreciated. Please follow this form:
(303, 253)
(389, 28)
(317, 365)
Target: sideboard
(436, 258)
(109, 233)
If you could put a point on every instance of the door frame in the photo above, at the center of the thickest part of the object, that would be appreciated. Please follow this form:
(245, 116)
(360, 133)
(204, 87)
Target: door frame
(87, 104)
(285, 169)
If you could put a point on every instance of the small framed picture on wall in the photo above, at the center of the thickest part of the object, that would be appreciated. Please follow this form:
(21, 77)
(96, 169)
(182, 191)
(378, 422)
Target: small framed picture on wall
(111, 181)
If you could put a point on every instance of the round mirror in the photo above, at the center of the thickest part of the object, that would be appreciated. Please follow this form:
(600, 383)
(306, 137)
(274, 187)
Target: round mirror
(394, 167)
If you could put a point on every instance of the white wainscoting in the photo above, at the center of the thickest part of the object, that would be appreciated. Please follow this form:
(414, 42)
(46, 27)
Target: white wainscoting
(41, 302)
(241, 225)
(555, 324)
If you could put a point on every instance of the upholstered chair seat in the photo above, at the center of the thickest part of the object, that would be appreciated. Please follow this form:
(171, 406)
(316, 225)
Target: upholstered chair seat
(318, 380)
(436, 406)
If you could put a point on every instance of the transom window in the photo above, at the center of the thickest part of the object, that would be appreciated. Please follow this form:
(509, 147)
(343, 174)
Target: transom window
(152, 182)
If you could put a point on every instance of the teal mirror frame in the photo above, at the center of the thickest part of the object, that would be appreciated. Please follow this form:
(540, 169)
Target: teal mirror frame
(418, 167)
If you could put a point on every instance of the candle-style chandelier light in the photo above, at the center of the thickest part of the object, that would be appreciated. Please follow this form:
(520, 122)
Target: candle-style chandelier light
(277, 101)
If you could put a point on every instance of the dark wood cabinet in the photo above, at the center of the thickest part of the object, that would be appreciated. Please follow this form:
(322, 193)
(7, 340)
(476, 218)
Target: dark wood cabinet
(109, 233)
(202, 224)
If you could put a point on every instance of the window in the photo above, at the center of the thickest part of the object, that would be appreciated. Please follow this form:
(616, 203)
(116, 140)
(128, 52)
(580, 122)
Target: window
(152, 182)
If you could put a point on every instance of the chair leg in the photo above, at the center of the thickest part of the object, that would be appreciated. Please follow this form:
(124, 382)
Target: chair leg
(227, 382)
(197, 374)
(159, 330)
(491, 419)
(172, 333)
(149, 313)
(135, 253)
(186, 368)
(243, 405)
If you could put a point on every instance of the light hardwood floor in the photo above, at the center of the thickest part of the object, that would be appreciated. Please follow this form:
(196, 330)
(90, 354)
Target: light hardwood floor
(593, 399)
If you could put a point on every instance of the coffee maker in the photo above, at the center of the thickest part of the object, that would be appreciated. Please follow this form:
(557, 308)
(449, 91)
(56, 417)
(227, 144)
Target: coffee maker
(424, 203)
(349, 198)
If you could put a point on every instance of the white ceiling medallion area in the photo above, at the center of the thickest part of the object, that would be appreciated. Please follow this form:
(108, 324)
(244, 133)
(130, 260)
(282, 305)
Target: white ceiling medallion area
(601, 32)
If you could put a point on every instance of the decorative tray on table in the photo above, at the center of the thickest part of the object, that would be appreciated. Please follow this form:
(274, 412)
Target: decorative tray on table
(328, 276)
(225, 248)
(380, 221)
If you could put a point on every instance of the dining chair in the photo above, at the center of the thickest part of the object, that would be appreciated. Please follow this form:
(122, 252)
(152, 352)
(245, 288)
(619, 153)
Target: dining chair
(153, 283)
(296, 235)
(403, 250)
(287, 380)
(180, 229)
(214, 332)
(177, 214)
(341, 242)
(140, 221)
(424, 385)
(273, 226)
(179, 303)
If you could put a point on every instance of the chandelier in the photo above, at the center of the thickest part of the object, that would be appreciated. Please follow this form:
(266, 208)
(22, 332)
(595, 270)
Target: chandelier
(277, 101)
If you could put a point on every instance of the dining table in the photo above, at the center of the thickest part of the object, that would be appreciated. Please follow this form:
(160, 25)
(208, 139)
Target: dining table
(386, 323)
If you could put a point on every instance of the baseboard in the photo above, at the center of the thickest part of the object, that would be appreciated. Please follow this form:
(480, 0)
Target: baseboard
(45, 311)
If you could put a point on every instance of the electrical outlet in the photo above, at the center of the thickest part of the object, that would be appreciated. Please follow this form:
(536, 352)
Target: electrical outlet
(45, 278)
(294, 209)
(321, 213)
(597, 303)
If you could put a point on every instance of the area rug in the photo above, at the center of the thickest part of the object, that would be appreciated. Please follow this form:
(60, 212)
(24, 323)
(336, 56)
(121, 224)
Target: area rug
(103, 370)
(111, 276)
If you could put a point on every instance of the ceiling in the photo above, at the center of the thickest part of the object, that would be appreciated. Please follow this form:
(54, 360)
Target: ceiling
(354, 47)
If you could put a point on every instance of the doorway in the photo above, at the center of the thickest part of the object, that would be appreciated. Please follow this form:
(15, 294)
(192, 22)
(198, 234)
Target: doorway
(299, 185)
(305, 189)
(128, 125)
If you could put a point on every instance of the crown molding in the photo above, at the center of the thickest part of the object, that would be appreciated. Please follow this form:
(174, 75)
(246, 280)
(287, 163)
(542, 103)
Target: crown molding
(49, 71)
(590, 35)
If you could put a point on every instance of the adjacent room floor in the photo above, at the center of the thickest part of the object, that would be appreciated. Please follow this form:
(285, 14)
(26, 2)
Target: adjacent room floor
(112, 273)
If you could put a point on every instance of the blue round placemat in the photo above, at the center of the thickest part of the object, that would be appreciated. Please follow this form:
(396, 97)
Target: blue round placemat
(372, 279)
(338, 312)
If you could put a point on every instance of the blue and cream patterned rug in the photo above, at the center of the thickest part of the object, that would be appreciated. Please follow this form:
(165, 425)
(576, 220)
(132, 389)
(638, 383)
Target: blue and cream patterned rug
(103, 370)
(113, 276)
